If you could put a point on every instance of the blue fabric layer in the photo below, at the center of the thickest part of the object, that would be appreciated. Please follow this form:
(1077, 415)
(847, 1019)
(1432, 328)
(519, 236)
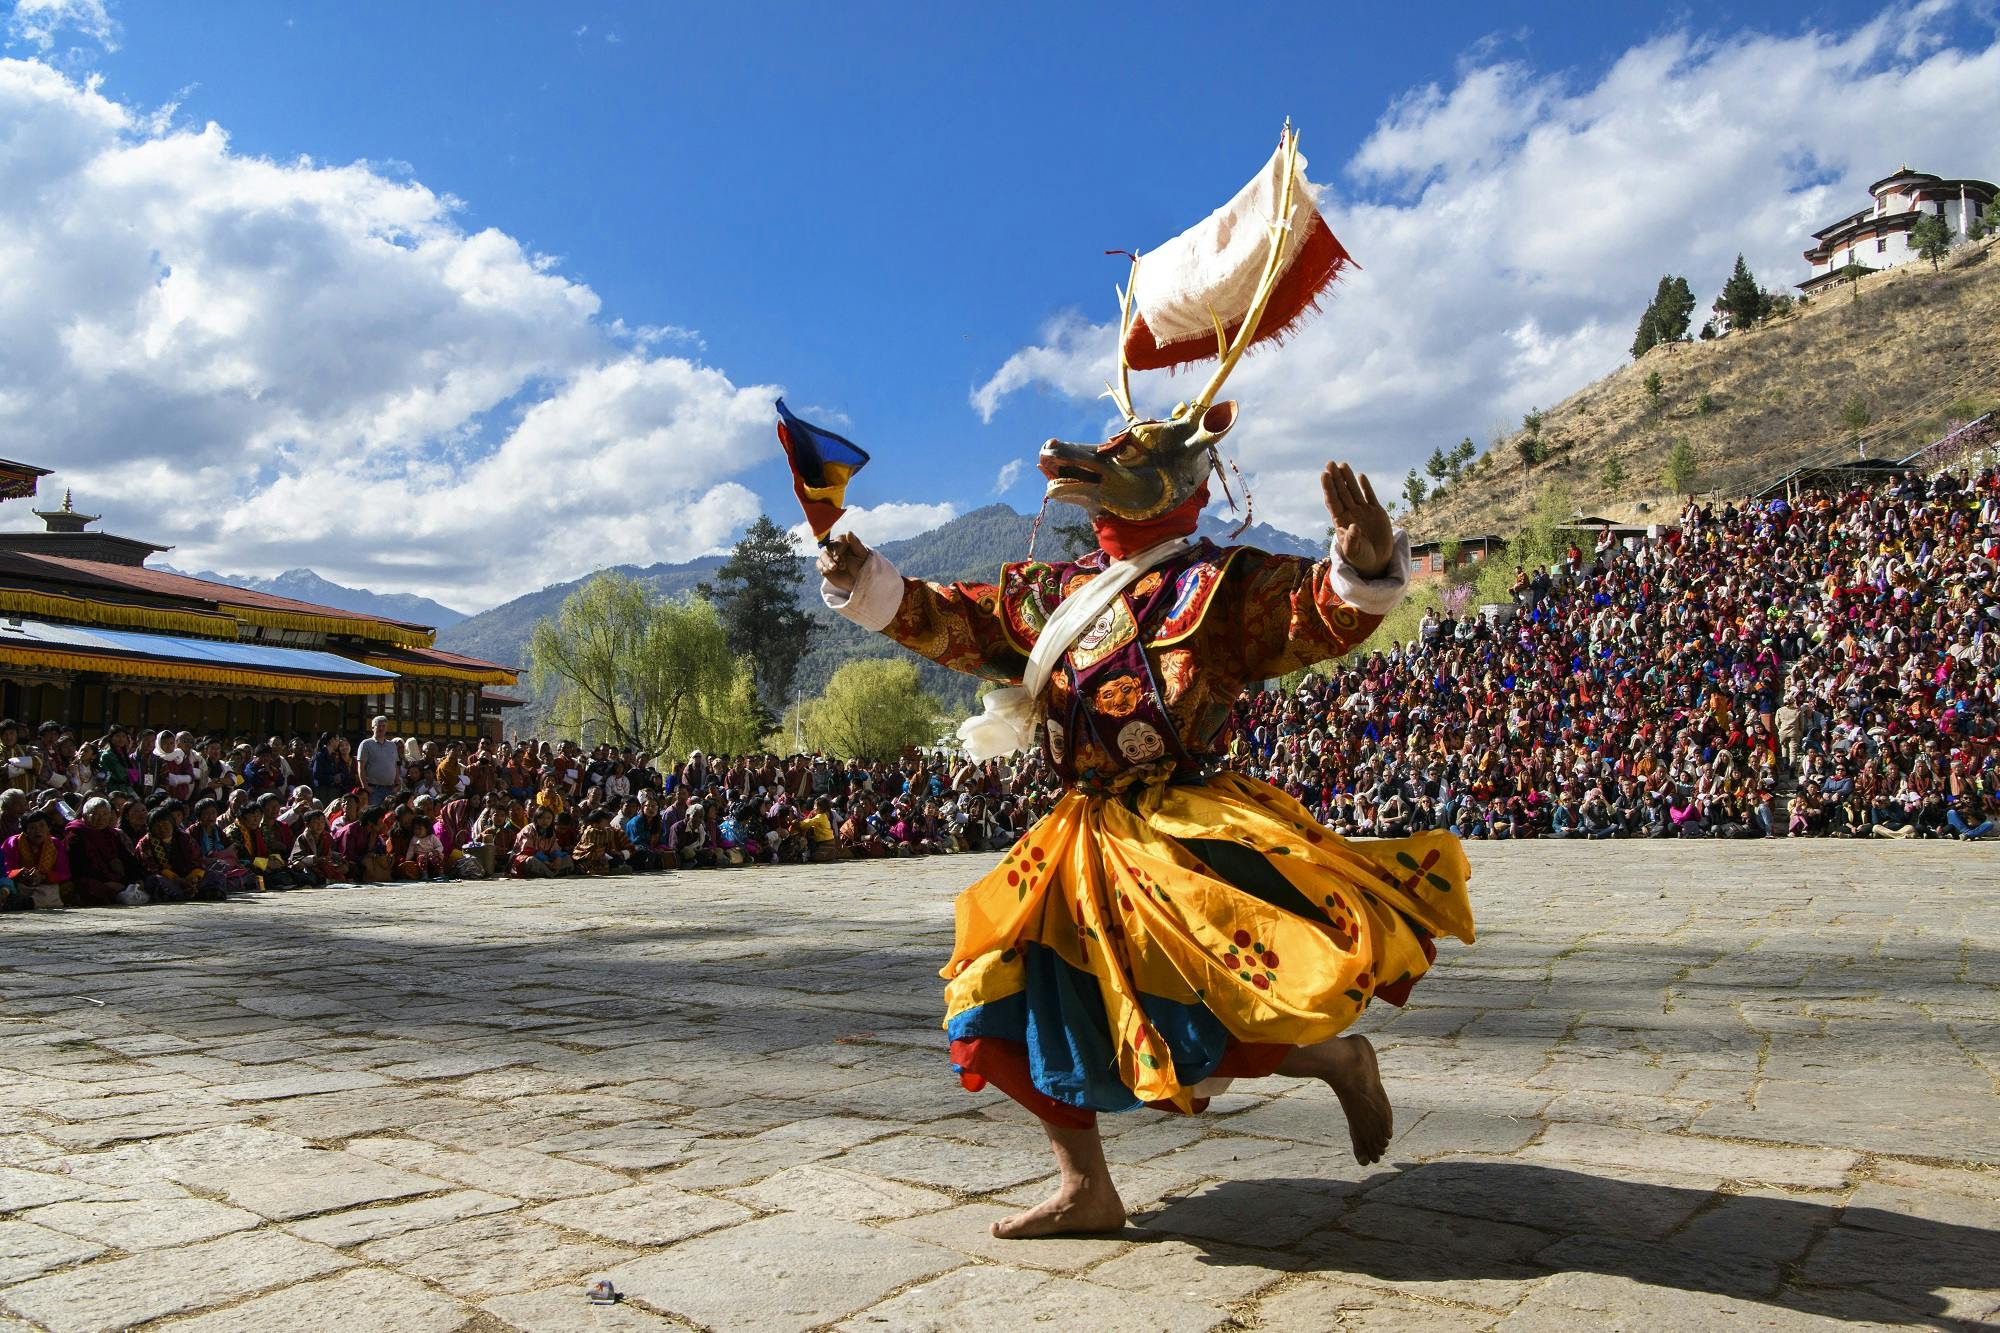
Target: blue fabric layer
(1059, 1017)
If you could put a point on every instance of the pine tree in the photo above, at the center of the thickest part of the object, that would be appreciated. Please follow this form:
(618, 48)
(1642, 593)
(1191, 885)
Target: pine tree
(1742, 301)
(1673, 306)
(1439, 466)
(1985, 224)
(757, 592)
(1612, 474)
(1679, 473)
(1647, 335)
(1414, 490)
(1462, 455)
(1932, 236)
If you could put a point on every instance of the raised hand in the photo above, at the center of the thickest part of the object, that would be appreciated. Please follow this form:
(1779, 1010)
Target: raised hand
(1360, 524)
(840, 562)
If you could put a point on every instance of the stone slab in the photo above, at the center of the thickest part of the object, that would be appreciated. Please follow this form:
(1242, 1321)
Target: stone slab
(655, 1214)
(493, 1256)
(361, 1225)
(121, 1292)
(826, 1190)
(312, 1181)
(788, 1272)
(978, 1300)
(365, 1298)
(148, 1224)
(27, 1251)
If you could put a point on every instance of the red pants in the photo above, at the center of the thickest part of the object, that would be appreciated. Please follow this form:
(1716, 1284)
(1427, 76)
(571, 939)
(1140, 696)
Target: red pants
(1004, 1064)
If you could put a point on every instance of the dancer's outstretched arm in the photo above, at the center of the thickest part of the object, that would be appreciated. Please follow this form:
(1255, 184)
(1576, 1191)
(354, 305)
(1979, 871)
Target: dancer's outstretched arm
(960, 625)
(1286, 612)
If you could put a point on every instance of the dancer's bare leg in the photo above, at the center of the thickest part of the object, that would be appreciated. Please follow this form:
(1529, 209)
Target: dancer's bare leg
(1085, 1200)
(1347, 1065)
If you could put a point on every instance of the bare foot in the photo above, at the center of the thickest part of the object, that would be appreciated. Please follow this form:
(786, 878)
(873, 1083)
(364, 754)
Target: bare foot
(1357, 1081)
(1091, 1207)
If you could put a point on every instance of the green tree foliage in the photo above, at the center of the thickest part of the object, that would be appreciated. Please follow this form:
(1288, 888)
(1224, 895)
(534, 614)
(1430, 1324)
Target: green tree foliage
(1985, 224)
(1666, 317)
(1742, 302)
(757, 592)
(1707, 330)
(1674, 304)
(1654, 388)
(1647, 335)
(1075, 538)
(1439, 466)
(1679, 474)
(1612, 474)
(1531, 422)
(1462, 455)
(875, 708)
(1529, 449)
(657, 676)
(1933, 236)
(1857, 416)
(1414, 490)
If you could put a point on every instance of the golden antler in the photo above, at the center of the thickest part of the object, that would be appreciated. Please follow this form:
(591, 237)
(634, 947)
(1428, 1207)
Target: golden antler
(1121, 394)
(1266, 284)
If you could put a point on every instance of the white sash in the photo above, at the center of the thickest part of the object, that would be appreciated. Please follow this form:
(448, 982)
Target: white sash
(1008, 722)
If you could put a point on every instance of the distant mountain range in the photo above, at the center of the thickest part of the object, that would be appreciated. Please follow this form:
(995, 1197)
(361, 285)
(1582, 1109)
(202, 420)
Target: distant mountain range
(971, 547)
(305, 586)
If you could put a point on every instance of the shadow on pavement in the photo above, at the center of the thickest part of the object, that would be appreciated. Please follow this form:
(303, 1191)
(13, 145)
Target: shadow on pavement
(1519, 1220)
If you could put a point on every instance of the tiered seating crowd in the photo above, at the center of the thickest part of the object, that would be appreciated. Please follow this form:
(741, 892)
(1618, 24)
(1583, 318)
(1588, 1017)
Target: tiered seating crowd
(1822, 667)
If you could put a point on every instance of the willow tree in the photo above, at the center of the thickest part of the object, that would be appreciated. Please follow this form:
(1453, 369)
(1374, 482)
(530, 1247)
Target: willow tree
(872, 709)
(637, 671)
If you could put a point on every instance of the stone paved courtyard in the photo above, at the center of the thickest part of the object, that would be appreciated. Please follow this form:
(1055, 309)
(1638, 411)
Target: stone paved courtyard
(1690, 1086)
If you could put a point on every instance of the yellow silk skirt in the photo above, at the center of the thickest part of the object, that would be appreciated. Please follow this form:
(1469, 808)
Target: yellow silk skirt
(1106, 902)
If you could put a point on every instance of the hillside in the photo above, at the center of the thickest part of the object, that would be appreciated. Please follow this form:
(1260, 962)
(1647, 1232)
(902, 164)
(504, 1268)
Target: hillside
(971, 547)
(306, 586)
(1922, 349)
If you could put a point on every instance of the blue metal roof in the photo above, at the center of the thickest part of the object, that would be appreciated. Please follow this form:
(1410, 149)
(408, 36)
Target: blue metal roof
(207, 652)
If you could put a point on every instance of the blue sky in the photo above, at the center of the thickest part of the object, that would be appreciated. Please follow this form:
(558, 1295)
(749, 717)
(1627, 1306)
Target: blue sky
(882, 210)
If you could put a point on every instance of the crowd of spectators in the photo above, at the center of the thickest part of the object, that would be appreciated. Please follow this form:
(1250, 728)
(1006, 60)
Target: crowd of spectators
(1818, 667)
(145, 816)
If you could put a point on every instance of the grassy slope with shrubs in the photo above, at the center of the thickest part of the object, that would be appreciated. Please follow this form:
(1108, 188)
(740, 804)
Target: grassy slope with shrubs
(1920, 350)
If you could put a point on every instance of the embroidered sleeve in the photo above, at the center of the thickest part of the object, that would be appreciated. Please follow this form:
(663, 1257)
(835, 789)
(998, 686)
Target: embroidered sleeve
(1286, 612)
(961, 626)
(965, 626)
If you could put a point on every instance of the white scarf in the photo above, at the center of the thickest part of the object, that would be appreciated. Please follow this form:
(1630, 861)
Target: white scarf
(1008, 722)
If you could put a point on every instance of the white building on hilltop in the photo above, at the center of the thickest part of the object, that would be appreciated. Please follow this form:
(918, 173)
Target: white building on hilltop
(1879, 236)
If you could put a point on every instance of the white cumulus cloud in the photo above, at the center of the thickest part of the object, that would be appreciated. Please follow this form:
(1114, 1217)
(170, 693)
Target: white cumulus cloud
(271, 364)
(40, 22)
(1010, 472)
(875, 524)
(1512, 225)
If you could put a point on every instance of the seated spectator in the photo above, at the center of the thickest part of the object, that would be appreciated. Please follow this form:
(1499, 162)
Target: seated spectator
(104, 872)
(646, 829)
(313, 859)
(689, 837)
(425, 849)
(255, 852)
(171, 862)
(37, 866)
(538, 854)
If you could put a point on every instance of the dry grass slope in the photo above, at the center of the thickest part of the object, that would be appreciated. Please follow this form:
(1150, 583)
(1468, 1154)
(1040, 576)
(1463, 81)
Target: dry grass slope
(1921, 348)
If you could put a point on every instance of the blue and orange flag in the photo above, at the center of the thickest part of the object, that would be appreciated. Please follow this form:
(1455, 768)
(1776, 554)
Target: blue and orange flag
(821, 462)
